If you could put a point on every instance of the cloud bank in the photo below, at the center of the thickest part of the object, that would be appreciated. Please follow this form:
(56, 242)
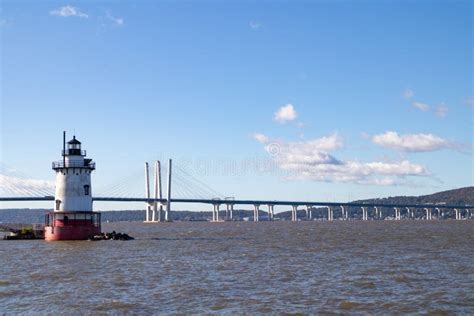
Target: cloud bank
(313, 160)
(411, 142)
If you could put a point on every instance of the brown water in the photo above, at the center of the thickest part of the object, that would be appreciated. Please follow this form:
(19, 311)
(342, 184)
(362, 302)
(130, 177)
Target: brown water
(308, 267)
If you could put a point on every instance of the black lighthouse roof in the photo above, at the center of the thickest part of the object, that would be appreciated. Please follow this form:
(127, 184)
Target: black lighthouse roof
(74, 141)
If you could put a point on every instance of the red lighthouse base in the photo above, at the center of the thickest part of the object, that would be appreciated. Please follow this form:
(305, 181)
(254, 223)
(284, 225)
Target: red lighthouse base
(71, 225)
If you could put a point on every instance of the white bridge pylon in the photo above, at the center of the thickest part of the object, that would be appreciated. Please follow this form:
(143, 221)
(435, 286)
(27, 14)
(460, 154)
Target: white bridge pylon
(158, 209)
(154, 210)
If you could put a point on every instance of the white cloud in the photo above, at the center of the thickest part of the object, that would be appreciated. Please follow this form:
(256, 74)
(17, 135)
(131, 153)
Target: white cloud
(404, 167)
(255, 25)
(68, 11)
(116, 21)
(261, 138)
(411, 142)
(313, 151)
(327, 143)
(408, 94)
(285, 113)
(441, 110)
(380, 173)
(312, 160)
(421, 106)
(382, 181)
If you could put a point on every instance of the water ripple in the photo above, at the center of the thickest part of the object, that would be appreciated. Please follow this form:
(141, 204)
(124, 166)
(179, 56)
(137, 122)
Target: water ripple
(247, 268)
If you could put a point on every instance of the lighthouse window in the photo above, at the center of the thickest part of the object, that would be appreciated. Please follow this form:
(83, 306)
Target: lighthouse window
(58, 203)
(86, 190)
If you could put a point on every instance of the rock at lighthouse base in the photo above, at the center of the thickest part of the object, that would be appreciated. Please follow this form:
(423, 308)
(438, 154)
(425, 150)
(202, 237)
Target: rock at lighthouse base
(111, 236)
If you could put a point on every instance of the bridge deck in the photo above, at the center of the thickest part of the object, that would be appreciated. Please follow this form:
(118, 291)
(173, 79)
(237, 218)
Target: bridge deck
(245, 202)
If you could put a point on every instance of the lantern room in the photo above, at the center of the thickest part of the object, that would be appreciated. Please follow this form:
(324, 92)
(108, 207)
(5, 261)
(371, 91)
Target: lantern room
(74, 148)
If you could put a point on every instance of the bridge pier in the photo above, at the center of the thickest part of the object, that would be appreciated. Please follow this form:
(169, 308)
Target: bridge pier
(215, 212)
(438, 212)
(408, 213)
(377, 213)
(294, 213)
(428, 215)
(330, 213)
(228, 212)
(270, 212)
(365, 215)
(153, 212)
(396, 214)
(255, 212)
(344, 212)
(309, 212)
(458, 214)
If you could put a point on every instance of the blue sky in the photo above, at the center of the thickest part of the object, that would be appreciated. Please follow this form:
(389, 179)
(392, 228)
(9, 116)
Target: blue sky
(375, 97)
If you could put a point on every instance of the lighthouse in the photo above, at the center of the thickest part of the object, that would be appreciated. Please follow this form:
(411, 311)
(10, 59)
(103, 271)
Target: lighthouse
(73, 217)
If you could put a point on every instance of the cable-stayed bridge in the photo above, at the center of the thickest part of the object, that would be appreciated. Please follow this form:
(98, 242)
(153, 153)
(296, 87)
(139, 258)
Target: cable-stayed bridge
(187, 188)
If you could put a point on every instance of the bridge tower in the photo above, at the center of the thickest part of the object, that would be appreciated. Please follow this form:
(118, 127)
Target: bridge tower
(73, 217)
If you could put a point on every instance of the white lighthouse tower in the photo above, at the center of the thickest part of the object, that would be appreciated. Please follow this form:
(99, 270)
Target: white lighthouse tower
(72, 217)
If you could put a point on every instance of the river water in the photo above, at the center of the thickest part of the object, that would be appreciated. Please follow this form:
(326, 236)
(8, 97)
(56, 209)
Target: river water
(244, 267)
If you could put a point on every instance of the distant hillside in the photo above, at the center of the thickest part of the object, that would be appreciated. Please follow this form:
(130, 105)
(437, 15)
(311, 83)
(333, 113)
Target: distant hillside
(22, 215)
(462, 196)
(37, 215)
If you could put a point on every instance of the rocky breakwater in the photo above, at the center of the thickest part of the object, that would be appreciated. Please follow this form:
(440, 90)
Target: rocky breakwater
(111, 236)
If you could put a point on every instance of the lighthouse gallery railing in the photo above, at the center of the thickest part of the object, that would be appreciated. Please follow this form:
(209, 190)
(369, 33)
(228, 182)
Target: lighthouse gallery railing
(73, 164)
